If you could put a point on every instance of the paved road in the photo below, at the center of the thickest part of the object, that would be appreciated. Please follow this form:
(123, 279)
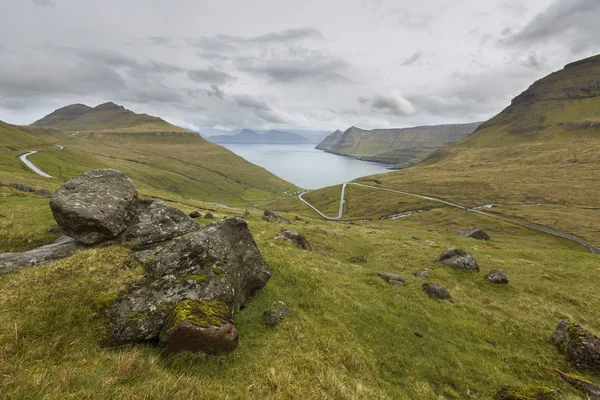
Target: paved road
(33, 167)
(592, 248)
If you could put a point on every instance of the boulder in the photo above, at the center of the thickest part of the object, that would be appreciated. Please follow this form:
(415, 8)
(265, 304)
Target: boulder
(392, 279)
(278, 218)
(581, 347)
(156, 222)
(458, 259)
(275, 316)
(526, 393)
(61, 248)
(219, 262)
(475, 233)
(265, 218)
(209, 215)
(423, 273)
(23, 187)
(496, 276)
(199, 325)
(95, 206)
(437, 291)
(294, 237)
(195, 214)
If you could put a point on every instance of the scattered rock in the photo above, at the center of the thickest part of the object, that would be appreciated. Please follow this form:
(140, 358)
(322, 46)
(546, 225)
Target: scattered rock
(413, 237)
(423, 273)
(326, 253)
(294, 237)
(195, 214)
(297, 218)
(496, 276)
(392, 279)
(458, 259)
(582, 384)
(23, 187)
(246, 214)
(61, 248)
(209, 215)
(360, 259)
(371, 232)
(324, 232)
(430, 242)
(475, 233)
(95, 206)
(43, 192)
(265, 218)
(54, 229)
(199, 325)
(581, 347)
(156, 222)
(525, 393)
(218, 262)
(418, 334)
(437, 291)
(274, 317)
(278, 218)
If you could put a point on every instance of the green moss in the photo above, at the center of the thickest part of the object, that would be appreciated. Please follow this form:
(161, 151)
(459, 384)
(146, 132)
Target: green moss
(133, 318)
(105, 302)
(219, 272)
(196, 278)
(575, 331)
(526, 393)
(201, 313)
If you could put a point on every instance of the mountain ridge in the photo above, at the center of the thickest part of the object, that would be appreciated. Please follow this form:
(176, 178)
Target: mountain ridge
(248, 136)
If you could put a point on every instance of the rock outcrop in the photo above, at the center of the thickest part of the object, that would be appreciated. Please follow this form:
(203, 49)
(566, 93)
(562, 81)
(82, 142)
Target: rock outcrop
(294, 237)
(581, 347)
(437, 291)
(423, 273)
(268, 215)
(496, 276)
(392, 279)
(475, 233)
(95, 206)
(219, 262)
(458, 259)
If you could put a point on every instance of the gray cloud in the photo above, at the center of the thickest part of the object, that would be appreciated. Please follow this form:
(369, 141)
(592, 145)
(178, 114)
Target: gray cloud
(43, 3)
(259, 108)
(210, 75)
(393, 104)
(574, 22)
(412, 59)
(215, 91)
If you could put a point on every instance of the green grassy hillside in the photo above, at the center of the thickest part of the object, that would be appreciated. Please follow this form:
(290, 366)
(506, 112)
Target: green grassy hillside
(107, 117)
(167, 166)
(542, 149)
(402, 147)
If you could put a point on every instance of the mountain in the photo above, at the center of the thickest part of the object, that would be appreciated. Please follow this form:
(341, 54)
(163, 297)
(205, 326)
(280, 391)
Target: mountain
(107, 117)
(538, 160)
(402, 147)
(248, 136)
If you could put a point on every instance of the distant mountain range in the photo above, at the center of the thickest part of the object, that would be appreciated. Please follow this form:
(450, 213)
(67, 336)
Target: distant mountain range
(106, 117)
(401, 147)
(311, 135)
(248, 136)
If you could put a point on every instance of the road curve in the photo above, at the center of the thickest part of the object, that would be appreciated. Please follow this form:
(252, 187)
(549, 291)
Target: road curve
(32, 167)
(592, 248)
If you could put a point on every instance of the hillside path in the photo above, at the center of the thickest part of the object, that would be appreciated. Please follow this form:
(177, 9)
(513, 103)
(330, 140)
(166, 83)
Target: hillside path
(592, 248)
(32, 166)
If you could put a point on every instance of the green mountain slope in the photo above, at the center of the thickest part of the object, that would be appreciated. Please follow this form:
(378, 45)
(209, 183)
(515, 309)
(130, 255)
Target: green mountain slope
(107, 117)
(401, 147)
(543, 150)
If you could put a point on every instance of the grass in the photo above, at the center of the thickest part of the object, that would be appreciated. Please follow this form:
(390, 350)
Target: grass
(351, 335)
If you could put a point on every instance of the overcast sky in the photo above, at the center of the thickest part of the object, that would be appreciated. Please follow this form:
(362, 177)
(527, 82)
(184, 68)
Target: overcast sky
(316, 64)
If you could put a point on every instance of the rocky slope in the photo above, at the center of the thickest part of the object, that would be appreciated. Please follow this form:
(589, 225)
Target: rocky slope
(107, 117)
(402, 147)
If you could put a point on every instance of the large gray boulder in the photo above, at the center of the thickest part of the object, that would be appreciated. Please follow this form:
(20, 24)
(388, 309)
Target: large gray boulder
(474, 232)
(581, 347)
(458, 259)
(296, 238)
(219, 262)
(95, 206)
(156, 222)
(61, 248)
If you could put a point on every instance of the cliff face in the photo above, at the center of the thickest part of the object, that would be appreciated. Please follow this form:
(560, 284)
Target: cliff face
(402, 147)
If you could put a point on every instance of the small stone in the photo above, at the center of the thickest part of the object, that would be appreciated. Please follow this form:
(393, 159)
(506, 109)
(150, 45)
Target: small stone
(458, 259)
(496, 276)
(43, 192)
(195, 214)
(360, 259)
(418, 334)
(413, 237)
(430, 242)
(392, 279)
(278, 218)
(294, 237)
(209, 215)
(326, 253)
(265, 218)
(423, 273)
(475, 233)
(437, 291)
(23, 187)
(324, 232)
(274, 317)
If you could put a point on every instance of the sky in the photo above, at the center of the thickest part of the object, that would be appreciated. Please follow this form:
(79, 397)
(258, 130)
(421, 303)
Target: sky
(266, 64)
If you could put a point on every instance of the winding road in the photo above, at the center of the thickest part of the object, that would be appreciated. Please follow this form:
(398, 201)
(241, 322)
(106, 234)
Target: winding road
(592, 248)
(32, 167)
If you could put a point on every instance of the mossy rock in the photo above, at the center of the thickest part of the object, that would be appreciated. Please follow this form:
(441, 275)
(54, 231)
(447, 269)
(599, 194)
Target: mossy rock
(526, 393)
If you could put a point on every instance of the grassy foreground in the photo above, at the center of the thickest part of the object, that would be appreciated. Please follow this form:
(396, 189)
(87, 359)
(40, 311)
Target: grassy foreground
(352, 336)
